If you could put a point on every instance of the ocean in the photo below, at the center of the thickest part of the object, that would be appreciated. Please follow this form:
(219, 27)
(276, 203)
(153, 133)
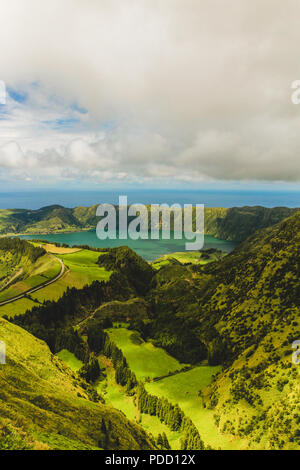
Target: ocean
(210, 198)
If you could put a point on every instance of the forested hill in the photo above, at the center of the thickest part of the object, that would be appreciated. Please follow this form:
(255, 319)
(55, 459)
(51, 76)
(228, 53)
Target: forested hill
(238, 223)
(256, 288)
(234, 224)
(249, 313)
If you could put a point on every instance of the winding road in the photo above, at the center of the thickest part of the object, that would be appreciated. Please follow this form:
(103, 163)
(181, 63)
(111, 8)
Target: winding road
(41, 286)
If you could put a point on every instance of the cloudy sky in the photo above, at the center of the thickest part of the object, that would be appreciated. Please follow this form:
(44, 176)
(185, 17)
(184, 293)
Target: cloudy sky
(178, 93)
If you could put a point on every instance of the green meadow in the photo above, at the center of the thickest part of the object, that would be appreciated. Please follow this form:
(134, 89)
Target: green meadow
(144, 359)
(17, 307)
(183, 389)
(148, 362)
(70, 359)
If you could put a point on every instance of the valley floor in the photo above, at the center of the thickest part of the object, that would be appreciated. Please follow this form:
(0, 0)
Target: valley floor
(180, 387)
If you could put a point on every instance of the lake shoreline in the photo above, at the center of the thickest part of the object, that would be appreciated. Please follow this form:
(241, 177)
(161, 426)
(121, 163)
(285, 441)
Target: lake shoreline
(148, 249)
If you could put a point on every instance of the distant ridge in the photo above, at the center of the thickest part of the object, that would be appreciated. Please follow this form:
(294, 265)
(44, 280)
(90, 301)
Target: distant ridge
(234, 224)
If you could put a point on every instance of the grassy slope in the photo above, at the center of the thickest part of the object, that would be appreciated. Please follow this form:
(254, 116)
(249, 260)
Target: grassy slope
(43, 398)
(116, 396)
(32, 274)
(188, 257)
(82, 269)
(182, 388)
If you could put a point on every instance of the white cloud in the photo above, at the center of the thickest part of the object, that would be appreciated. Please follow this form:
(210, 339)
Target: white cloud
(193, 90)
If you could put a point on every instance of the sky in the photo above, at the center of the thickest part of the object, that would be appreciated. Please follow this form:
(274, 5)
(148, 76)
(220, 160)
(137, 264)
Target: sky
(149, 93)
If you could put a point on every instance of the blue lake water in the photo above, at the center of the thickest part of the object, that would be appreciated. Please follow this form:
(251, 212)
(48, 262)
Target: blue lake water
(148, 249)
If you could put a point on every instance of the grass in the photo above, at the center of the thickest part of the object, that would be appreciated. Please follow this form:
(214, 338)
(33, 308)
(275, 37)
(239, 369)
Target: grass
(45, 269)
(152, 425)
(183, 389)
(81, 269)
(17, 308)
(144, 359)
(70, 359)
(185, 257)
(115, 396)
(84, 265)
(58, 250)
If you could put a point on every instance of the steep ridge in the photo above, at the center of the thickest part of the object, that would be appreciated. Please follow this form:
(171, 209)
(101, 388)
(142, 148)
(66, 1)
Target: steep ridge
(249, 311)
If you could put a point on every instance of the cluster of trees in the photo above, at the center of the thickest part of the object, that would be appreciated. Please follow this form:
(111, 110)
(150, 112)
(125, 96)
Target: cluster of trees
(172, 416)
(162, 441)
(20, 248)
(124, 375)
(69, 339)
(135, 269)
(90, 371)
(96, 335)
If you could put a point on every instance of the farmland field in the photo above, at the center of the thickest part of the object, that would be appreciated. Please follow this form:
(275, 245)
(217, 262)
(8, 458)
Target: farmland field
(45, 269)
(81, 269)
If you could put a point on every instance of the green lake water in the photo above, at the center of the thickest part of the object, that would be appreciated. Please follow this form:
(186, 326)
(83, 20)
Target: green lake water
(148, 249)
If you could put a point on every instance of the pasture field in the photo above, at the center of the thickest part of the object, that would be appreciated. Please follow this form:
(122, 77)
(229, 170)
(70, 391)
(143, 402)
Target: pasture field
(59, 250)
(115, 395)
(17, 307)
(81, 269)
(183, 389)
(70, 359)
(45, 269)
(147, 361)
(144, 359)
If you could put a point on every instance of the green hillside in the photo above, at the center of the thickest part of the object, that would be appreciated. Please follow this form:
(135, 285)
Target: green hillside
(81, 268)
(23, 267)
(45, 406)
